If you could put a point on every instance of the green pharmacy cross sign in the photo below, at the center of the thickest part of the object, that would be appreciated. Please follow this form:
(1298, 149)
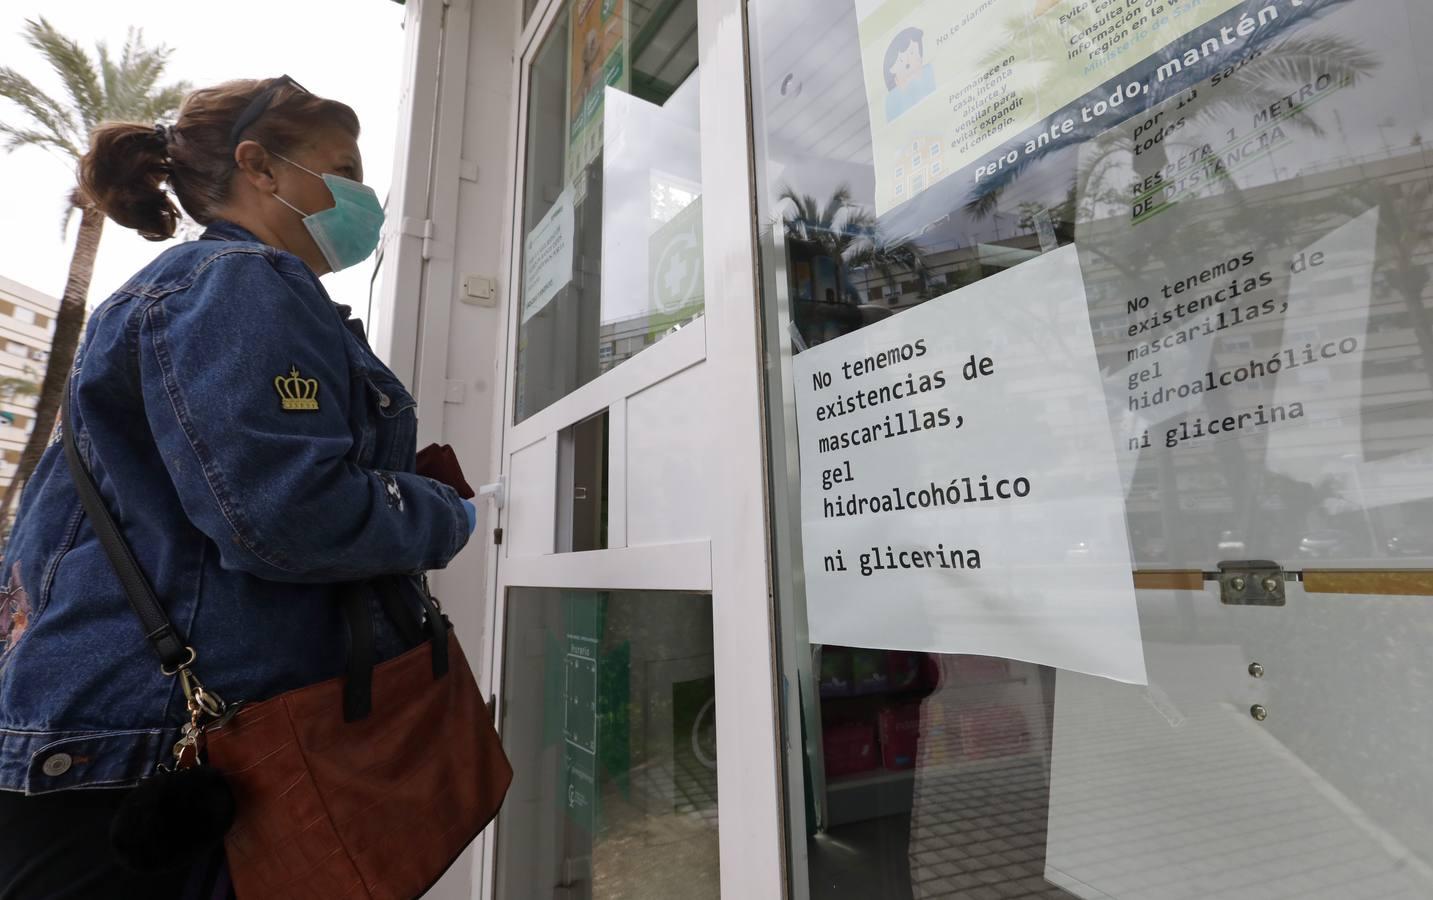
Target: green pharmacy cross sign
(674, 254)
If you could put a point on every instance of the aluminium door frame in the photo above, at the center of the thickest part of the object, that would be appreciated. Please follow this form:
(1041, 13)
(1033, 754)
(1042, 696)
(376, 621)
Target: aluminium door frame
(734, 566)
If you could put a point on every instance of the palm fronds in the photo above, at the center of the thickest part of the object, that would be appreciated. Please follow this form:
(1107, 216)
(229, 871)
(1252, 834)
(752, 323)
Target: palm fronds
(95, 91)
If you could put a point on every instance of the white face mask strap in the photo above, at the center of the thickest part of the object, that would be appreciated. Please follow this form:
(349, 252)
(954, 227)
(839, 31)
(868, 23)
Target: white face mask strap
(297, 166)
(290, 205)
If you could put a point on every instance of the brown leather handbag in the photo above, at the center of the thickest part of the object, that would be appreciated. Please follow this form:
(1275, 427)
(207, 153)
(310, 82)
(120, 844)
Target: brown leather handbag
(365, 786)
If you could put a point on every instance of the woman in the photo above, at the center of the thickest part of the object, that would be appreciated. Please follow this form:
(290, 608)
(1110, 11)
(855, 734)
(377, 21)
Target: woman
(255, 451)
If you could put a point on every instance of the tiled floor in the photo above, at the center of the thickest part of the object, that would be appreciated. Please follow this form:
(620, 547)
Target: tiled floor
(976, 827)
(658, 840)
(1142, 795)
(980, 833)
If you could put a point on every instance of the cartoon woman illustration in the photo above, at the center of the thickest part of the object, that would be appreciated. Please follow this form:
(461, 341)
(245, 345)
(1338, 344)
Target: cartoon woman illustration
(909, 78)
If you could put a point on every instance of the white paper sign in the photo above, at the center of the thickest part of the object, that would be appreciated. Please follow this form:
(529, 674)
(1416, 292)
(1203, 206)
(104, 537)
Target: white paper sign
(959, 491)
(547, 257)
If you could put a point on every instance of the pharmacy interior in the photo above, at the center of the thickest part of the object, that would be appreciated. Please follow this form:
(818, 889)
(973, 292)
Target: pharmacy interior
(1096, 371)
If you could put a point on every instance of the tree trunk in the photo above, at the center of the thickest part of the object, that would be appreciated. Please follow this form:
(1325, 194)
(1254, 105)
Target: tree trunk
(68, 324)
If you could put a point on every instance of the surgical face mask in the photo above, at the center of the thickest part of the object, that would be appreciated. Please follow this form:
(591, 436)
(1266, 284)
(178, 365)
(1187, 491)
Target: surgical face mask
(348, 233)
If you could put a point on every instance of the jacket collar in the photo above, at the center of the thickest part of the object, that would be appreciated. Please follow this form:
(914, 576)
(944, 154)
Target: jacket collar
(222, 230)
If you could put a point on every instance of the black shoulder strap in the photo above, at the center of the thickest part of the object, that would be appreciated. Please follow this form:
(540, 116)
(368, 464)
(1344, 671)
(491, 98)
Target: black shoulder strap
(157, 628)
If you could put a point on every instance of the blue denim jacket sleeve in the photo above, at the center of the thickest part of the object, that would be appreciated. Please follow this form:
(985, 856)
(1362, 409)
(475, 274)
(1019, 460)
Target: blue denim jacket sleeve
(273, 484)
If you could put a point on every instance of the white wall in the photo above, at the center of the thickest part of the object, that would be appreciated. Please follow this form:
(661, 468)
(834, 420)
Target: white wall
(452, 169)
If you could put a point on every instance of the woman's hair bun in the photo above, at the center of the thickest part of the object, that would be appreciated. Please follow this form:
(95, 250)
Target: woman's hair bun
(124, 173)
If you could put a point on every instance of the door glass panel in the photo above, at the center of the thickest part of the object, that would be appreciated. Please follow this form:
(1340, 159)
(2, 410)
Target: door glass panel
(582, 467)
(609, 717)
(611, 201)
(1246, 189)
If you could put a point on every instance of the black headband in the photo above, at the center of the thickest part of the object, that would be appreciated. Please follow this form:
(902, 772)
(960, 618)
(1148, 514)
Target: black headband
(258, 106)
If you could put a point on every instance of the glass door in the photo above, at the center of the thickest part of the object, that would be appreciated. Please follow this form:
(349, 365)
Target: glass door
(624, 626)
(1102, 440)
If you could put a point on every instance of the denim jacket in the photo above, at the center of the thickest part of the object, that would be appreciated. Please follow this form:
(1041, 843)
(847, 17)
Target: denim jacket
(257, 456)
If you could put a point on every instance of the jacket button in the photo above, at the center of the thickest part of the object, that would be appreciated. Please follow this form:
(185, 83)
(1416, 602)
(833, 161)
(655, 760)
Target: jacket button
(58, 765)
(383, 401)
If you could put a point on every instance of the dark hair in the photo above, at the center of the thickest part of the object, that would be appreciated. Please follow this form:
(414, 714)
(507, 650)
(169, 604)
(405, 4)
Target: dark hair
(128, 164)
(901, 41)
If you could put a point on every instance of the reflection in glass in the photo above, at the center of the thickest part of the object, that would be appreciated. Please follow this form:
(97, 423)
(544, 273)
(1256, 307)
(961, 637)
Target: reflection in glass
(936, 771)
(1252, 209)
(611, 226)
(1176, 790)
(609, 716)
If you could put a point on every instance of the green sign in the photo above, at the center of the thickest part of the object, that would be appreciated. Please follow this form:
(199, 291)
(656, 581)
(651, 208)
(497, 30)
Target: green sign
(674, 260)
(592, 696)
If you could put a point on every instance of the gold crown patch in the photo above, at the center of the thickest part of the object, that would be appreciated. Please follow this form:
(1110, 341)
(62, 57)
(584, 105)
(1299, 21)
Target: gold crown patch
(297, 394)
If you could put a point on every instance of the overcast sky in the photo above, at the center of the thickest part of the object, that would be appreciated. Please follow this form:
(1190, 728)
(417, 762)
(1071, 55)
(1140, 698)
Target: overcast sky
(350, 50)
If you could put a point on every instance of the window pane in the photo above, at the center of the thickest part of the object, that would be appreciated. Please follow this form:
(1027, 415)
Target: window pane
(609, 716)
(612, 248)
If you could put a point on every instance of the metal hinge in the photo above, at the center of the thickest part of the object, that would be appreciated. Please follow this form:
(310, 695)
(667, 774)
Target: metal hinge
(419, 228)
(1251, 582)
(497, 536)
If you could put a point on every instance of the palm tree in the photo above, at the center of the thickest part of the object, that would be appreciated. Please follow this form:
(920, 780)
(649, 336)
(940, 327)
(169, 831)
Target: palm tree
(872, 249)
(830, 226)
(127, 88)
(850, 236)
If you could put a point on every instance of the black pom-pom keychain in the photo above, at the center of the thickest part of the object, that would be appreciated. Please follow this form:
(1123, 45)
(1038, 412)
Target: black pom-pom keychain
(172, 819)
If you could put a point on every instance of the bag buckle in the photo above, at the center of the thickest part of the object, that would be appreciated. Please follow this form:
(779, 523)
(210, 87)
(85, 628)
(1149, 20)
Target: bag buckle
(201, 703)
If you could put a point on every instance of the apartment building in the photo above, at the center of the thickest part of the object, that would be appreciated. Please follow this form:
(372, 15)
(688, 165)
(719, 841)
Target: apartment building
(27, 319)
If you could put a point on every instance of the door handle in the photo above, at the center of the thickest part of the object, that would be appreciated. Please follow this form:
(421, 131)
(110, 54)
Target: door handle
(496, 492)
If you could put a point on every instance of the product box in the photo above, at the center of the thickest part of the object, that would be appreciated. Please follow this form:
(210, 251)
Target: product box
(992, 732)
(849, 747)
(835, 672)
(904, 670)
(898, 727)
(868, 672)
(939, 731)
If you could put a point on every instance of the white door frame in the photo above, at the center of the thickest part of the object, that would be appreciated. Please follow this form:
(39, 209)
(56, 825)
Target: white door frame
(734, 565)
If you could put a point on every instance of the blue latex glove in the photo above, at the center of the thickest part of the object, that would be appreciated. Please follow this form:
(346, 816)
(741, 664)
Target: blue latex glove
(472, 512)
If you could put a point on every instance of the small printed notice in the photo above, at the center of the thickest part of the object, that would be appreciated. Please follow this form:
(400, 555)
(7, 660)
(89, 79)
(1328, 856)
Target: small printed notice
(948, 82)
(959, 490)
(547, 257)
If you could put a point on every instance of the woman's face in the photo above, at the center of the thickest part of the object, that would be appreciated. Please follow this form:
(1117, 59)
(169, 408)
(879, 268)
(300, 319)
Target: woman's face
(333, 151)
(263, 177)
